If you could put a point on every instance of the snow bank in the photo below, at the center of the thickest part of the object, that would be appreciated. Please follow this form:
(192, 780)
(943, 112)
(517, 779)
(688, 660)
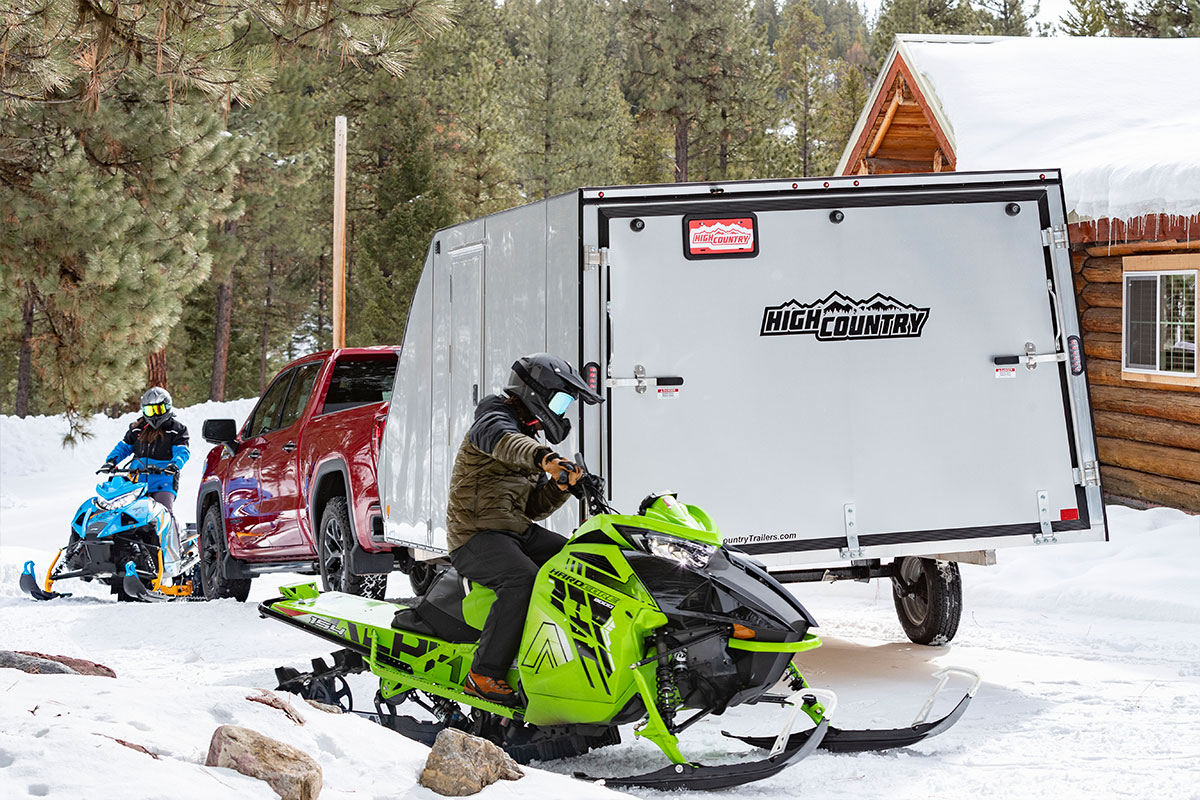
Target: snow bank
(1119, 116)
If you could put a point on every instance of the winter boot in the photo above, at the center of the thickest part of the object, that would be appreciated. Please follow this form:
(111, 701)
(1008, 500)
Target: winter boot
(496, 690)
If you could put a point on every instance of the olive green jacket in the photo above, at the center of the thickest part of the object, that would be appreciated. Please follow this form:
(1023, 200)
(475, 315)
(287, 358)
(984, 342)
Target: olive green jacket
(497, 483)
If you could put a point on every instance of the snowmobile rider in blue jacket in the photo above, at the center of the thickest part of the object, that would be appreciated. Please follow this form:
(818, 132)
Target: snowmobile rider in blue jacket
(156, 439)
(504, 478)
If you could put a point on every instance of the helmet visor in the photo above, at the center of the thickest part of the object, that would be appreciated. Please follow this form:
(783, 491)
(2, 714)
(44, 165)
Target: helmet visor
(560, 402)
(155, 409)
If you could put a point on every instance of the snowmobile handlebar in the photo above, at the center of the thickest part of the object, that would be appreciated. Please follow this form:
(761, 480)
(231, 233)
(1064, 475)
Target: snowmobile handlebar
(106, 470)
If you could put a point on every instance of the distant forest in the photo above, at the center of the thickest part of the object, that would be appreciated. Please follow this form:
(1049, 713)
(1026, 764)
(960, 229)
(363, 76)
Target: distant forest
(166, 183)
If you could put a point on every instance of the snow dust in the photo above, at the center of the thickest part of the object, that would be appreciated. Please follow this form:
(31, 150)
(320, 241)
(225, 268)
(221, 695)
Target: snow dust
(1090, 656)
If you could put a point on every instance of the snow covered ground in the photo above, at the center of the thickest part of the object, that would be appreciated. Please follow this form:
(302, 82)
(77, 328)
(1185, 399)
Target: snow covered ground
(1090, 656)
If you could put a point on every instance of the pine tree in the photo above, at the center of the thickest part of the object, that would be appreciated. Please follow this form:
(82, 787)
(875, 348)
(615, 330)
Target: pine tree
(1006, 17)
(108, 215)
(921, 16)
(1083, 18)
(84, 49)
(805, 66)
(571, 119)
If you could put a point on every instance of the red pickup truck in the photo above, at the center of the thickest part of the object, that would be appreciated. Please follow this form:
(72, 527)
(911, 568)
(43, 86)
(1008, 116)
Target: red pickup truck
(294, 488)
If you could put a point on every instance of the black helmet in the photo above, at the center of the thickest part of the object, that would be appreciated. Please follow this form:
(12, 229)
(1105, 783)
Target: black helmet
(156, 406)
(547, 386)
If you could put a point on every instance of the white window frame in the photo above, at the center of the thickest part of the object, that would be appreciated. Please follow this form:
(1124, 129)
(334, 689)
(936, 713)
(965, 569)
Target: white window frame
(1157, 267)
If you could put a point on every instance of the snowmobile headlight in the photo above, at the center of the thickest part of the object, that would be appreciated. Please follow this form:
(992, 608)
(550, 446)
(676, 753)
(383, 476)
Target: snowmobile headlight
(688, 553)
(120, 501)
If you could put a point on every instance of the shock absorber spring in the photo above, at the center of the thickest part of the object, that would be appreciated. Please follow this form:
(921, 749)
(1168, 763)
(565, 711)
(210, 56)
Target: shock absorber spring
(667, 694)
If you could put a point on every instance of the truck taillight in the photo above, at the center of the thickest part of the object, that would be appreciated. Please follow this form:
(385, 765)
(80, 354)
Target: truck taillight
(377, 435)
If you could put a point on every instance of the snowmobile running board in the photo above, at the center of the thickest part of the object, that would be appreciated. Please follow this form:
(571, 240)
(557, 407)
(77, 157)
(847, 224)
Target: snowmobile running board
(838, 740)
(30, 586)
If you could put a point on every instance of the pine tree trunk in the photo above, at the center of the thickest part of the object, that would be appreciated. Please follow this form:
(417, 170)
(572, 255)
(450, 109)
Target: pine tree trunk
(220, 368)
(681, 148)
(266, 327)
(25, 359)
(320, 297)
(723, 156)
(156, 368)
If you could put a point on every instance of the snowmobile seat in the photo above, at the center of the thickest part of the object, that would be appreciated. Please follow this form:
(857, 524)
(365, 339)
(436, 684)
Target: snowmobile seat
(439, 611)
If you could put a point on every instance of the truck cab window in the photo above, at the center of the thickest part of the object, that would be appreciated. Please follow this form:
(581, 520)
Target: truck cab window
(266, 415)
(360, 382)
(297, 397)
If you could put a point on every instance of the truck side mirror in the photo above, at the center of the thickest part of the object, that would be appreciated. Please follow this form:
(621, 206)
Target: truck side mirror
(219, 431)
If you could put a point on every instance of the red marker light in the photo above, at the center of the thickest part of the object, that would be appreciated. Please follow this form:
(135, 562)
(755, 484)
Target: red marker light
(856, 183)
(1068, 514)
(1042, 177)
(826, 184)
(795, 186)
(600, 194)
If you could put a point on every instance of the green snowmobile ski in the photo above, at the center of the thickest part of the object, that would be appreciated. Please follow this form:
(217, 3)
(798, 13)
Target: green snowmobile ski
(645, 619)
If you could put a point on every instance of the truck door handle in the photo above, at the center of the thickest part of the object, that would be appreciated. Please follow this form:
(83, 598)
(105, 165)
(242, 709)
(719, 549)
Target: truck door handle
(640, 382)
(255, 453)
(289, 447)
(1030, 358)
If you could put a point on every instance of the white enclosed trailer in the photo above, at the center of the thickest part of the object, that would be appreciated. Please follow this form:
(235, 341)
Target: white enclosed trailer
(843, 372)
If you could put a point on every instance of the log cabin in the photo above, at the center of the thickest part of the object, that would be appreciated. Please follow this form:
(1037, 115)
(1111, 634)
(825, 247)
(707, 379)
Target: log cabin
(1126, 137)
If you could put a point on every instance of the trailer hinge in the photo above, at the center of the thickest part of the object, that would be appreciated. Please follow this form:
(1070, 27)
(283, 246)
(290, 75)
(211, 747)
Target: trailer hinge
(1047, 535)
(594, 257)
(1089, 475)
(1055, 237)
(851, 550)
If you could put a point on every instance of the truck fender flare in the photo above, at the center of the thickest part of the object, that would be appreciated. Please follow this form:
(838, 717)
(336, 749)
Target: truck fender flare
(360, 560)
(230, 566)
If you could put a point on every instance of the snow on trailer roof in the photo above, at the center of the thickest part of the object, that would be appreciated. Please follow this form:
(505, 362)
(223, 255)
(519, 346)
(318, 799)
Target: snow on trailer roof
(1120, 117)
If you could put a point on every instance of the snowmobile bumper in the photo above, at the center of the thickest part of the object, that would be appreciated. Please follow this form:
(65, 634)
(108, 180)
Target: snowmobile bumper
(698, 776)
(838, 740)
(30, 586)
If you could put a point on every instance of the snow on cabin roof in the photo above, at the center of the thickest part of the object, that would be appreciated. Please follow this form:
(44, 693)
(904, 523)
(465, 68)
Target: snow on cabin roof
(1119, 117)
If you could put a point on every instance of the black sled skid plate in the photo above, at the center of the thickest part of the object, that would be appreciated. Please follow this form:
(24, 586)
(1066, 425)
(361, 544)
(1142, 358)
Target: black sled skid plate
(698, 776)
(29, 585)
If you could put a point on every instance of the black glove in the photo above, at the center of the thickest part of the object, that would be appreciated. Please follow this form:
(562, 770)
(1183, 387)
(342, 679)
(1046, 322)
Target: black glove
(170, 469)
(108, 468)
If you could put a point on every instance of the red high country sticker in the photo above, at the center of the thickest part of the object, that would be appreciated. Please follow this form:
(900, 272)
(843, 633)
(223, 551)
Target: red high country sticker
(726, 237)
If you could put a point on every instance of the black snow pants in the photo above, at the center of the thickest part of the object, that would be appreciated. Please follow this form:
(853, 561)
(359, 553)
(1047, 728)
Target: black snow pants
(507, 563)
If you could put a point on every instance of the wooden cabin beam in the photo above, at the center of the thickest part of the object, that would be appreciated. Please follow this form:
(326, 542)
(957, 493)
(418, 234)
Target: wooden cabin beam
(887, 122)
(1127, 483)
(1170, 462)
(1146, 403)
(878, 165)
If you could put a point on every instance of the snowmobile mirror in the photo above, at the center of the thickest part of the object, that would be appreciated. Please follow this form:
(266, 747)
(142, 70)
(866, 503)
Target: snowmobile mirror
(219, 431)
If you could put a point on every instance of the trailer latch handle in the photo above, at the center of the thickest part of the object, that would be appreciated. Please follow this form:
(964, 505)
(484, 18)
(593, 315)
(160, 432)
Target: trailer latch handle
(640, 382)
(1030, 359)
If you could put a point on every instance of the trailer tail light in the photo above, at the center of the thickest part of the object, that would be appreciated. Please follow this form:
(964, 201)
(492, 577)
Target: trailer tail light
(591, 374)
(1075, 354)
(1068, 514)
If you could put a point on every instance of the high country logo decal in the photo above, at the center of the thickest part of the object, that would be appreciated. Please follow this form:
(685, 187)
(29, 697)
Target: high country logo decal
(838, 318)
(720, 237)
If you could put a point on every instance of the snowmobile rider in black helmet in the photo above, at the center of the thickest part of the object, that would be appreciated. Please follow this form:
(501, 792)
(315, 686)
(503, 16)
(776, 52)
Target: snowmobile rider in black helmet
(155, 439)
(504, 478)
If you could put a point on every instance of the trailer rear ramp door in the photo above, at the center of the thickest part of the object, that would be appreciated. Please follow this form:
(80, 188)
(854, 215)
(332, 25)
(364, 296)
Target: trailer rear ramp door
(840, 383)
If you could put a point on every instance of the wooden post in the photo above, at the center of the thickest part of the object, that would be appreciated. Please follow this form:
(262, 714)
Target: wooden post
(339, 233)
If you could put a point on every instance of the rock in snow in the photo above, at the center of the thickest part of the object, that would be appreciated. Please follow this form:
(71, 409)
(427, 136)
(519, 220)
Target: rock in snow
(35, 665)
(290, 772)
(460, 764)
(80, 665)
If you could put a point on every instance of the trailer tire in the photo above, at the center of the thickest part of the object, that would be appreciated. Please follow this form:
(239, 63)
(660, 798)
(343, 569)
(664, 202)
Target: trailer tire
(211, 583)
(928, 598)
(335, 538)
(421, 575)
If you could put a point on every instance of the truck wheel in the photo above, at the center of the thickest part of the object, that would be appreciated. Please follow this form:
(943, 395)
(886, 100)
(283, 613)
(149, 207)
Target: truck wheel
(335, 538)
(212, 585)
(928, 598)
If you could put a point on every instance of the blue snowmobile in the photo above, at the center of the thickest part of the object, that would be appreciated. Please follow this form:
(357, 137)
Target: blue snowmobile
(126, 540)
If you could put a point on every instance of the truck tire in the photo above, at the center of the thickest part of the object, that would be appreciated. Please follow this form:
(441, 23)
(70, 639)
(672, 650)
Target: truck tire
(212, 585)
(335, 538)
(928, 598)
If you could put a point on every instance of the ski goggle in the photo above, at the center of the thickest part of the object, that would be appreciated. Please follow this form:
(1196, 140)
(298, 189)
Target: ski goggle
(560, 402)
(155, 409)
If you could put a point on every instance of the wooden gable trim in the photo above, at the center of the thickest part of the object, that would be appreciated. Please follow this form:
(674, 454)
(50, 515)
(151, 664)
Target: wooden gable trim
(1164, 231)
(899, 78)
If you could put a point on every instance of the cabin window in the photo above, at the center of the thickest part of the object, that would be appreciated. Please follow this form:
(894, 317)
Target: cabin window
(1159, 320)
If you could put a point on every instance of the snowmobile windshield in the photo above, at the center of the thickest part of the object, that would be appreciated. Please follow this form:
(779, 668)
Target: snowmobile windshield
(560, 402)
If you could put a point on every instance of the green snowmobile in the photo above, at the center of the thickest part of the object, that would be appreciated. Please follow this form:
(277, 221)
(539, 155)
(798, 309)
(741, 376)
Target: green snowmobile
(644, 618)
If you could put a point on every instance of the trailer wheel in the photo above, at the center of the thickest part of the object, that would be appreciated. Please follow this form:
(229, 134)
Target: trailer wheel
(928, 598)
(334, 540)
(422, 575)
(211, 583)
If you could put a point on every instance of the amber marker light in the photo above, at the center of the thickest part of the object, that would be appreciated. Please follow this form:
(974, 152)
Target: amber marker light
(742, 632)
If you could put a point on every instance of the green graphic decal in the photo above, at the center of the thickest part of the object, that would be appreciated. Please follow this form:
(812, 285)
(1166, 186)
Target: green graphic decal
(547, 650)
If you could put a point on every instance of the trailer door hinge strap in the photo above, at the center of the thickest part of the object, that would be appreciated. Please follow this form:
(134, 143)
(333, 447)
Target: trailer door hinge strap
(1055, 237)
(851, 550)
(1090, 474)
(594, 256)
(1046, 536)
